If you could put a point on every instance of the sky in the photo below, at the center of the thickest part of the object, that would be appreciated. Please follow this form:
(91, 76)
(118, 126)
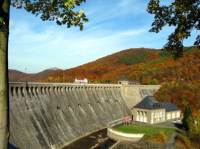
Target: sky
(114, 25)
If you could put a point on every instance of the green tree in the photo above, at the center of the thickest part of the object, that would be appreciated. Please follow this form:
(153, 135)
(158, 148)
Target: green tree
(63, 12)
(183, 15)
(187, 115)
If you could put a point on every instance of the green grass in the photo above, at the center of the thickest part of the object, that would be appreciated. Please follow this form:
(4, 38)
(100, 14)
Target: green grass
(148, 130)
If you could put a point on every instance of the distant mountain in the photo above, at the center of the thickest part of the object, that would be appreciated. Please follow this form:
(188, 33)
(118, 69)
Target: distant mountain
(17, 76)
(54, 68)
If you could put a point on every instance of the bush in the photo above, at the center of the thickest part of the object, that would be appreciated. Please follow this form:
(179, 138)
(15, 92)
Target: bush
(153, 82)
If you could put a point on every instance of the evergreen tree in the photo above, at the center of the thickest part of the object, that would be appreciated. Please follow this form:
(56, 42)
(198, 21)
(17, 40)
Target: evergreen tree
(187, 115)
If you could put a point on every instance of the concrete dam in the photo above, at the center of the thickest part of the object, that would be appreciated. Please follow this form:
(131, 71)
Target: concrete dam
(52, 115)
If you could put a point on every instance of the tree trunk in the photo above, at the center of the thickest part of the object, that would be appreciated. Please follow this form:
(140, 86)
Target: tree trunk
(4, 29)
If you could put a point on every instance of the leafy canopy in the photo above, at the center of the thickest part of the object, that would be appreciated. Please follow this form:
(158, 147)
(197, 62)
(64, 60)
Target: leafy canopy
(63, 12)
(183, 15)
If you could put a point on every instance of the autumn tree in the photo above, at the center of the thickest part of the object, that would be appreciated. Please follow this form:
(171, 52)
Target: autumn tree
(183, 15)
(194, 127)
(63, 12)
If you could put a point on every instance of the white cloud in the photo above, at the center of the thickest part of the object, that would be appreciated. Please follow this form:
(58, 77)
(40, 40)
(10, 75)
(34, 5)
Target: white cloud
(134, 6)
(113, 10)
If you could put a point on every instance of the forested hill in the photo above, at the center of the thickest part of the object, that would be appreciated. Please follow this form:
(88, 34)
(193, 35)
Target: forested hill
(148, 66)
(108, 69)
(180, 78)
(96, 71)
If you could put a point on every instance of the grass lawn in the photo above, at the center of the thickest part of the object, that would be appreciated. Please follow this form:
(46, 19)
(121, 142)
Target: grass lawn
(148, 130)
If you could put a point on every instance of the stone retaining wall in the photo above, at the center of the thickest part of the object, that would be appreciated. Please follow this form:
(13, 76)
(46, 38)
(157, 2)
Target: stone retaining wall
(120, 136)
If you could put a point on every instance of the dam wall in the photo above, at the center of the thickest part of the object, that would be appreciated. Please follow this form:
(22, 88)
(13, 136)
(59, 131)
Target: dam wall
(133, 94)
(50, 115)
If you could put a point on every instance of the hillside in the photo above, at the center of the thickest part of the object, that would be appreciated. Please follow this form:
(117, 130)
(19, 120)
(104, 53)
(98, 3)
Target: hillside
(108, 69)
(17, 76)
(180, 78)
(96, 71)
(147, 66)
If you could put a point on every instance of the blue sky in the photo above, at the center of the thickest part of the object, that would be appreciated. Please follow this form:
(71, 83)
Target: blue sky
(114, 25)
